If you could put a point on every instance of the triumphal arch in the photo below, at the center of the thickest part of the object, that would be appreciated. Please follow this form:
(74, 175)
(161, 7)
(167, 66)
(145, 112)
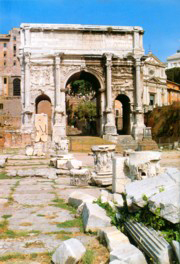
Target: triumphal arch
(110, 57)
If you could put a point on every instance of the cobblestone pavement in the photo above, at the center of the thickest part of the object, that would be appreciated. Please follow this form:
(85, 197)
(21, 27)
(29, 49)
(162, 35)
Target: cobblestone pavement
(31, 211)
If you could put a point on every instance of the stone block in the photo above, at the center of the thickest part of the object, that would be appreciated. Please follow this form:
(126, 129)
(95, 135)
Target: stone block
(74, 164)
(29, 150)
(94, 217)
(2, 163)
(49, 173)
(69, 252)
(149, 187)
(53, 162)
(61, 164)
(118, 199)
(127, 253)
(113, 237)
(176, 247)
(168, 201)
(78, 198)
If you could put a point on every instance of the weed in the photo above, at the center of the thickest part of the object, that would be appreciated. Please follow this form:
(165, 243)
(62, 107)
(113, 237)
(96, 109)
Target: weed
(61, 204)
(6, 216)
(88, 257)
(161, 189)
(145, 198)
(35, 244)
(26, 224)
(77, 222)
(40, 215)
(11, 256)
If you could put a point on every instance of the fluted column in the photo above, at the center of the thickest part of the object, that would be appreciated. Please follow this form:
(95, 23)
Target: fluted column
(138, 85)
(27, 82)
(57, 82)
(110, 127)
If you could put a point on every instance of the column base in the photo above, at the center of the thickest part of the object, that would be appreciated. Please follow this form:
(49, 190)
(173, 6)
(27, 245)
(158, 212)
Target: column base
(138, 132)
(59, 131)
(110, 129)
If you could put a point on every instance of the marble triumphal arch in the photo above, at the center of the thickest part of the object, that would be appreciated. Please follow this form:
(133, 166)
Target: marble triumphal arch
(112, 57)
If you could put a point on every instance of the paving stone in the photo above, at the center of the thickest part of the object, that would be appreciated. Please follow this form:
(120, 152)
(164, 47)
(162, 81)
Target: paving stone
(77, 198)
(35, 199)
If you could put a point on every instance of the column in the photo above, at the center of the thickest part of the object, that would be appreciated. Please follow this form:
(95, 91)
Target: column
(59, 128)
(138, 85)
(57, 82)
(27, 82)
(110, 127)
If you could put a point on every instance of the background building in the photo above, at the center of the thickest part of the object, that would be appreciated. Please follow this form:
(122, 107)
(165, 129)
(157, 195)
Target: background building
(174, 60)
(10, 80)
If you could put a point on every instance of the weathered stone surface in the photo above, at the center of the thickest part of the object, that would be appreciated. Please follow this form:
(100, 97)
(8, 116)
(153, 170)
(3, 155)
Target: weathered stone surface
(69, 252)
(149, 187)
(2, 162)
(61, 164)
(143, 164)
(78, 198)
(79, 176)
(105, 196)
(146, 239)
(49, 173)
(168, 201)
(113, 237)
(94, 217)
(103, 155)
(116, 261)
(29, 150)
(176, 247)
(74, 164)
(41, 127)
(53, 162)
(129, 254)
(118, 199)
(120, 174)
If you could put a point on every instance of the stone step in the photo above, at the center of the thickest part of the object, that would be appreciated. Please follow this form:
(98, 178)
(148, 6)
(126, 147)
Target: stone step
(127, 142)
(150, 242)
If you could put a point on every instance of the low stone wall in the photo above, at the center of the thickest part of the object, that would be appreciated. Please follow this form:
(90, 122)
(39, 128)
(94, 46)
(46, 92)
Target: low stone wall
(14, 139)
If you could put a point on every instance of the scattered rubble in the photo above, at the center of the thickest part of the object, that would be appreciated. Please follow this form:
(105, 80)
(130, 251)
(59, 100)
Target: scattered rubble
(69, 252)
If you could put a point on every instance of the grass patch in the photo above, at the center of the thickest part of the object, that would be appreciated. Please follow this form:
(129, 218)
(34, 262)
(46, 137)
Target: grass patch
(63, 205)
(3, 176)
(12, 256)
(40, 215)
(26, 224)
(39, 257)
(35, 244)
(13, 234)
(6, 216)
(77, 222)
(88, 257)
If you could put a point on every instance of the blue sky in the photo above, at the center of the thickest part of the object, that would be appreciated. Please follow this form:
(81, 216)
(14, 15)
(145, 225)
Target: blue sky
(159, 18)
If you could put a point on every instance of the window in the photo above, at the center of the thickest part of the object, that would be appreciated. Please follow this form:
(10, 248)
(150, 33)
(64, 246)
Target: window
(152, 99)
(4, 63)
(5, 80)
(4, 53)
(16, 87)
(14, 38)
(14, 63)
(14, 48)
(1, 106)
(5, 45)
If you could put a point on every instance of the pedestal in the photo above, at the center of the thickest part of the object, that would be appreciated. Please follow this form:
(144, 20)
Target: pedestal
(103, 155)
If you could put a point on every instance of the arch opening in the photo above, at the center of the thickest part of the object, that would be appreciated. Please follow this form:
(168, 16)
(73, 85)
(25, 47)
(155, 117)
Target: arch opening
(122, 114)
(43, 106)
(83, 104)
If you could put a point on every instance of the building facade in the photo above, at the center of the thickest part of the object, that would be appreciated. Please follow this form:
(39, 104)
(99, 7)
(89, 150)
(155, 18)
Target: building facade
(10, 80)
(173, 92)
(174, 60)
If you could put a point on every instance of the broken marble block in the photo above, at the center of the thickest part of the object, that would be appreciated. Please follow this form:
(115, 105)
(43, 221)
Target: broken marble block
(78, 198)
(79, 176)
(176, 247)
(29, 150)
(94, 217)
(74, 164)
(118, 199)
(168, 201)
(137, 190)
(150, 242)
(113, 237)
(61, 161)
(69, 252)
(127, 254)
(2, 163)
(143, 164)
(49, 173)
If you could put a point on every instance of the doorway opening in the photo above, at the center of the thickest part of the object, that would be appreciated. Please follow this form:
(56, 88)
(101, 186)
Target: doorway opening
(122, 114)
(43, 106)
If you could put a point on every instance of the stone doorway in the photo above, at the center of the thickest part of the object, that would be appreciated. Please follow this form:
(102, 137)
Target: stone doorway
(83, 104)
(43, 106)
(122, 114)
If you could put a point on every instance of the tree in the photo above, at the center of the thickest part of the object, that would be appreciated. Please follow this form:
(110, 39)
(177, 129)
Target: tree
(86, 110)
(173, 75)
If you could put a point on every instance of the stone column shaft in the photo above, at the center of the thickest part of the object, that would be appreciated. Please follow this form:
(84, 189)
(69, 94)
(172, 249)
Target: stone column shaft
(57, 81)
(27, 83)
(138, 85)
(108, 84)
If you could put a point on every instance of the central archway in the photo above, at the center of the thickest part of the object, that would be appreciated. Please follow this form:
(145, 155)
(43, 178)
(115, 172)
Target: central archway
(122, 114)
(83, 104)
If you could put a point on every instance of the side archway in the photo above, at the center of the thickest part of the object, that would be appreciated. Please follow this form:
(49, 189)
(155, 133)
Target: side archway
(43, 106)
(122, 114)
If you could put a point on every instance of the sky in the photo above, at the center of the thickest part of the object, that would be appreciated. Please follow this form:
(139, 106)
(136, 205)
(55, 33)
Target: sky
(160, 19)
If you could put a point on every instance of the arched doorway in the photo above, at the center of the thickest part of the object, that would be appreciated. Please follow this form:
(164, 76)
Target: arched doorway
(122, 114)
(83, 103)
(43, 106)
